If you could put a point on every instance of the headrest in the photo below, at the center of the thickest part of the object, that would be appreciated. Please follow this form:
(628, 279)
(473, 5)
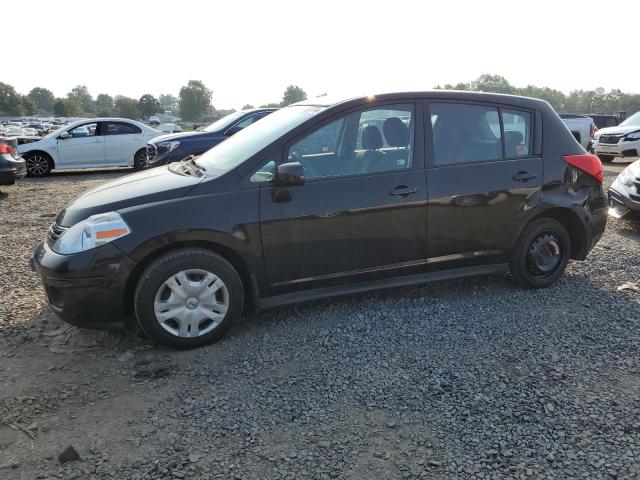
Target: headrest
(371, 138)
(396, 132)
(513, 137)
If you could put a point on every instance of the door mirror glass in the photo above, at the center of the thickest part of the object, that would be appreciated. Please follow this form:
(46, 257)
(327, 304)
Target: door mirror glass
(290, 174)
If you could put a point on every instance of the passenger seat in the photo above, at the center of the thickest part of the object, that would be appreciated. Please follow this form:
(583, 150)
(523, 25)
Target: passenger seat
(396, 133)
(372, 143)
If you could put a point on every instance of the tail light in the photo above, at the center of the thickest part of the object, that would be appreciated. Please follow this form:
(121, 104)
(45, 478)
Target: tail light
(589, 164)
(594, 129)
(4, 148)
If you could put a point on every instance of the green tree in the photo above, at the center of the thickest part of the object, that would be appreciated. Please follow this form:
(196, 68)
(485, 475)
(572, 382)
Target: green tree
(293, 94)
(44, 99)
(28, 105)
(195, 101)
(555, 97)
(104, 105)
(65, 107)
(127, 107)
(248, 106)
(81, 95)
(168, 101)
(148, 105)
(270, 105)
(492, 83)
(10, 100)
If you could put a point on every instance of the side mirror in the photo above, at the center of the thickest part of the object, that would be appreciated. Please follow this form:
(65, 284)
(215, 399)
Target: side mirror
(290, 174)
(64, 135)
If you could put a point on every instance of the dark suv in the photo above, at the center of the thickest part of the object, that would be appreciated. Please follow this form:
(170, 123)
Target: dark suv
(174, 147)
(322, 199)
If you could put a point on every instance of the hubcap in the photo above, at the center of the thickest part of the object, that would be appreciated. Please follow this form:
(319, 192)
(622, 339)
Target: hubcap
(191, 303)
(37, 165)
(544, 255)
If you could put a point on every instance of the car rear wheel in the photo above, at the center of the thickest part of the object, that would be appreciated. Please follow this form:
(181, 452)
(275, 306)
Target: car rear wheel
(38, 164)
(188, 298)
(140, 159)
(541, 254)
(606, 158)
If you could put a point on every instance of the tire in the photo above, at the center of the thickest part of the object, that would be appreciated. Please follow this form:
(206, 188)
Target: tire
(542, 238)
(140, 159)
(190, 268)
(38, 164)
(606, 158)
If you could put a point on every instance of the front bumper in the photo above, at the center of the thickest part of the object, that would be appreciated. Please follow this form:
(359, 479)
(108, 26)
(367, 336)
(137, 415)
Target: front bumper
(623, 205)
(11, 169)
(85, 289)
(620, 149)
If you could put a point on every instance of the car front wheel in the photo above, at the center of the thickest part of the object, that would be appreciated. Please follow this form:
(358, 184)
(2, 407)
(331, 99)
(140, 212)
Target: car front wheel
(606, 158)
(541, 254)
(140, 160)
(38, 164)
(188, 298)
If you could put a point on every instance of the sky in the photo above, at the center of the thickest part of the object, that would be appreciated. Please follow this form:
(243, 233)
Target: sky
(248, 51)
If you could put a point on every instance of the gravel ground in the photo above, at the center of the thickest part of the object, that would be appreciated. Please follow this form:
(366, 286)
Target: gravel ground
(474, 378)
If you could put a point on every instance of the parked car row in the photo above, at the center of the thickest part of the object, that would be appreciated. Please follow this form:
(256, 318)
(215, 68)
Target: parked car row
(119, 142)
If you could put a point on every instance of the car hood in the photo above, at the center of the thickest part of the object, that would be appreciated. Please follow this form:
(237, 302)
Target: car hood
(169, 137)
(619, 130)
(154, 185)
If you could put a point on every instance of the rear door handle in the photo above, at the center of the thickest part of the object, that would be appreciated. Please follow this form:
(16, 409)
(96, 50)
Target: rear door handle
(402, 191)
(524, 176)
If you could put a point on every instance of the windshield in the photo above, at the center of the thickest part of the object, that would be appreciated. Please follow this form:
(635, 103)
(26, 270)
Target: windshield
(55, 132)
(632, 120)
(224, 122)
(249, 141)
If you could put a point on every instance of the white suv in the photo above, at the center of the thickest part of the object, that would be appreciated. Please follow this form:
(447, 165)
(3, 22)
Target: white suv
(620, 141)
(90, 143)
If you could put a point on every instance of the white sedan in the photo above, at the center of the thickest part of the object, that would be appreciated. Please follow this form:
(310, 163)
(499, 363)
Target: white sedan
(89, 143)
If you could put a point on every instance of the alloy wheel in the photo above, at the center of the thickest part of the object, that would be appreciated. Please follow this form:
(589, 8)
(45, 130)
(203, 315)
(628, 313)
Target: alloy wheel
(37, 165)
(191, 303)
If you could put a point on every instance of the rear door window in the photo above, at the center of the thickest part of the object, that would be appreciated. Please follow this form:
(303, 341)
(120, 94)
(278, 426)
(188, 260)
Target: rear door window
(517, 133)
(464, 133)
(121, 128)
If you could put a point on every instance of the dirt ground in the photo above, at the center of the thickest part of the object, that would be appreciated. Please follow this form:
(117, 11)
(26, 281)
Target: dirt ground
(127, 406)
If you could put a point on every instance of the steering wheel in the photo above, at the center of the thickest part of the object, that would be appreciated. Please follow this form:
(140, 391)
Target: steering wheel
(297, 157)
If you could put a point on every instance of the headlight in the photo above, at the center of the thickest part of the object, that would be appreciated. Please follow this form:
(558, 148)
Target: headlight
(169, 146)
(92, 232)
(629, 174)
(632, 137)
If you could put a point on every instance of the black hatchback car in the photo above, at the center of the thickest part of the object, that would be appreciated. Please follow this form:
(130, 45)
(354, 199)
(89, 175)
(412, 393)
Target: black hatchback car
(174, 147)
(321, 199)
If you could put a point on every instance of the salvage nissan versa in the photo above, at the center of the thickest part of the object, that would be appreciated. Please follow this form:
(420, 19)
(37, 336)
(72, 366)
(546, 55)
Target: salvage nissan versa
(320, 199)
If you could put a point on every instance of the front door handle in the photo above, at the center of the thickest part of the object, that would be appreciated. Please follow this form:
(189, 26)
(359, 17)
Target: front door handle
(524, 176)
(402, 191)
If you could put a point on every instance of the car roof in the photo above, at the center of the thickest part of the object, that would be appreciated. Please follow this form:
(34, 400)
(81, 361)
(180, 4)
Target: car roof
(328, 101)
(106, 119)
